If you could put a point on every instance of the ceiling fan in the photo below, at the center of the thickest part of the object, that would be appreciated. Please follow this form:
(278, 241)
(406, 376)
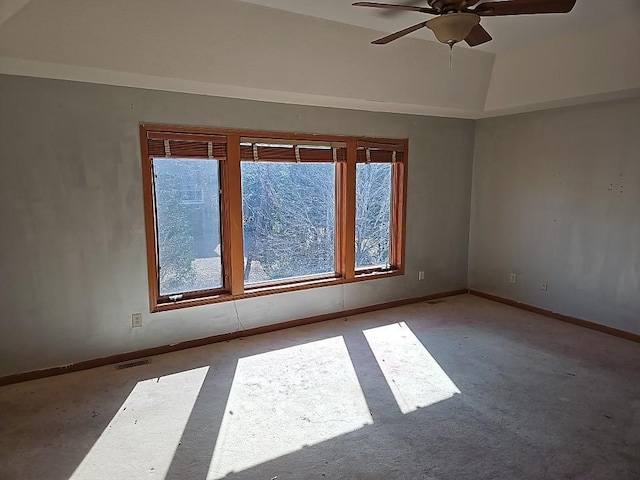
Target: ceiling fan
(456, 20)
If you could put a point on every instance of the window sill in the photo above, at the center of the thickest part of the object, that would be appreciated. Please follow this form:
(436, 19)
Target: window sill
(259, 291)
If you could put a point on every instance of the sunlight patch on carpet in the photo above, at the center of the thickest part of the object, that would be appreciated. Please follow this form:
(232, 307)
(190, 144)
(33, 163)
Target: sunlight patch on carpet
(142, 437)
(414, 376)
(284, 400)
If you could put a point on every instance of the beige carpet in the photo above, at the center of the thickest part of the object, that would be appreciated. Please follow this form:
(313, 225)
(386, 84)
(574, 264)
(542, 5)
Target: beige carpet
(461, 389)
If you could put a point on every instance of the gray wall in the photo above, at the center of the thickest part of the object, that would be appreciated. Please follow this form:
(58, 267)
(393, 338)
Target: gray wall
(72, 251)
(556, 197)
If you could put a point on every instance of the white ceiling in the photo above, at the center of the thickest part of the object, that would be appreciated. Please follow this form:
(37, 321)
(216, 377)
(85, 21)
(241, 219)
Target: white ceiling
(318, 52)
(507, 32)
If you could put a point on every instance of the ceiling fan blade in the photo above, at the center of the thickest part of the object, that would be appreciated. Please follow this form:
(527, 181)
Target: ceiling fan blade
(478, 36)
(523, 7)
(393, 6)
(401, 33)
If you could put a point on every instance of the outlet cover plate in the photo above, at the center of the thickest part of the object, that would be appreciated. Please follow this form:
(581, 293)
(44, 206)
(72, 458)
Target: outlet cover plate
(136, 320)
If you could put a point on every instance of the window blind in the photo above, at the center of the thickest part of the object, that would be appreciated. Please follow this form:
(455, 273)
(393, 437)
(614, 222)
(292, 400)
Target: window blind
(275, 150)
(371, 152)
(183, 145)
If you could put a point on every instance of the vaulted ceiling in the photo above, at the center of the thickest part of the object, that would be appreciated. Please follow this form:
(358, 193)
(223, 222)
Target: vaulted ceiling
(508, 33)
(319, 53)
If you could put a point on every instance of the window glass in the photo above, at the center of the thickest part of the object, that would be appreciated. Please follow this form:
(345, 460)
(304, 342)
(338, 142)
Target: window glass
(373, 214)
(188, 222)
(289, 220)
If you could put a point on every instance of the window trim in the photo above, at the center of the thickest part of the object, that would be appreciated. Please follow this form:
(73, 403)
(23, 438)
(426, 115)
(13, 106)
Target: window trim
(231, 217)
(397, 218)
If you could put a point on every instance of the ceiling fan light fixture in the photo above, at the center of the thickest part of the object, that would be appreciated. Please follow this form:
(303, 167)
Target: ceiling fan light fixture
(452, 28)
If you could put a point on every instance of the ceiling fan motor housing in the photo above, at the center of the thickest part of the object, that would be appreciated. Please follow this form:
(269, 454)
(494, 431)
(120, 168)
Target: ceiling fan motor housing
(447, 6)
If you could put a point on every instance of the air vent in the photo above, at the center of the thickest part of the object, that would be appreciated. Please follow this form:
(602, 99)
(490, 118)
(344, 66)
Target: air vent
(135, 363)
(434, 302)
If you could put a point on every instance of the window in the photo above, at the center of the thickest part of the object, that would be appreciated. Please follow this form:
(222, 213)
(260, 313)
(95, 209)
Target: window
(373, 215)
(230, 214)
(188, 231)
(289, 216)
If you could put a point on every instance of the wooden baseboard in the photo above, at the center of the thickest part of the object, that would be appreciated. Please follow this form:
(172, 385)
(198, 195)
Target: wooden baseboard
(127, 357)
(558, 316)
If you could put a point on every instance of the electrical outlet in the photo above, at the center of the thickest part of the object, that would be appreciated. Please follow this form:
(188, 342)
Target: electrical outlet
(544, 286)
(512, 278)
(421, 275)
(136, 320)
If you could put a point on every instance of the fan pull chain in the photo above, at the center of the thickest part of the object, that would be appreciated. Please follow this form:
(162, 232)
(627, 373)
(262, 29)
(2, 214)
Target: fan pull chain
(450, 55)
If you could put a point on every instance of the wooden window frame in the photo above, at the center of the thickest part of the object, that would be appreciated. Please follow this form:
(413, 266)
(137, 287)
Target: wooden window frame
(231, 219)
(398, 199)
